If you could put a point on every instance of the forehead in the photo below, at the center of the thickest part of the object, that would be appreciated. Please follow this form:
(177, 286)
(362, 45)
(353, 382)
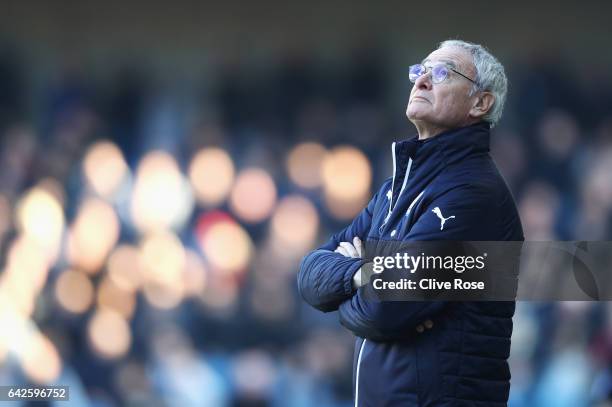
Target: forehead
(456, 57)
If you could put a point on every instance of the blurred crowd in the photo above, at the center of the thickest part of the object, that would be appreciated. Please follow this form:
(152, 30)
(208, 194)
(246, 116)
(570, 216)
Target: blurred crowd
(150, 233)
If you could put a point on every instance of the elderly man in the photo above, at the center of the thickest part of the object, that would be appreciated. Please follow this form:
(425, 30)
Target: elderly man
(445, 186)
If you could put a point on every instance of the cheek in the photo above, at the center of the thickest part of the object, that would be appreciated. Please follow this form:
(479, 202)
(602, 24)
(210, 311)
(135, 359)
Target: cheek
(440, 103)
(451, 105)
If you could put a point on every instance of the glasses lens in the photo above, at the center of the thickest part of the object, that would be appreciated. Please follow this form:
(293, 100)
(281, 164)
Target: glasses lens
(415, 72)
(439, 73)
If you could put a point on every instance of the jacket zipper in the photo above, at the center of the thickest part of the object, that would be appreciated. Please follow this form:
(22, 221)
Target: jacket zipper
(414, 202)
(357, 373)
(392, 185)
(380, 229)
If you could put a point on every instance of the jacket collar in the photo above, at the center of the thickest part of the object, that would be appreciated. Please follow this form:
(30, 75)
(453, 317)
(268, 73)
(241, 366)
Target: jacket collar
(426, 158)
(449, 146)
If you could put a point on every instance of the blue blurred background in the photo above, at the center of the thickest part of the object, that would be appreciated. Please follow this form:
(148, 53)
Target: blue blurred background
(164, 168)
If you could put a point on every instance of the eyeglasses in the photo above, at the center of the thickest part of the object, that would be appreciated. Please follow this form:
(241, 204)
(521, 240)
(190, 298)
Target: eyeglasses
(439, 72)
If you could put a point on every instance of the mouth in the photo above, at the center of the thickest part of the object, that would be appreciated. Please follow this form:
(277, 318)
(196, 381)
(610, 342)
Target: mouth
(420, 98)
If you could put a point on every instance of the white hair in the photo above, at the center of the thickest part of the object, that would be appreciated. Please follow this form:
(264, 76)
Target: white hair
(490, 76)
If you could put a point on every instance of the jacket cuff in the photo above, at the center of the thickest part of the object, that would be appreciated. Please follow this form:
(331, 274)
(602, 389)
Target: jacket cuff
(348, 276)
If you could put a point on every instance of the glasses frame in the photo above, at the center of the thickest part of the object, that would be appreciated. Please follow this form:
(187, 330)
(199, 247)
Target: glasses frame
(429, 69)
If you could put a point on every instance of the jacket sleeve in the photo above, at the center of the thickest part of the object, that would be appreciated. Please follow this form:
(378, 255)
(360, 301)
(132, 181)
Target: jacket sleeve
(393, 320)
(325, 278)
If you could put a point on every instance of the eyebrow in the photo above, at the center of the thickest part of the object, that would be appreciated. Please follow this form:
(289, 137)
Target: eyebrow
(446, 61)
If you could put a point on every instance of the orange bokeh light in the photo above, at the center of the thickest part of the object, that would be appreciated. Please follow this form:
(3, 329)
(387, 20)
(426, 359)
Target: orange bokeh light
(113, 297)
(124, 267)
(305, 164)
(295, 223)
(227, 246)
(40, 359)
(92, 235)
(74, 291)
(211, 174)
(346, 181)
(40, 217)
(109, 334)
(104, 168)
(253, 196)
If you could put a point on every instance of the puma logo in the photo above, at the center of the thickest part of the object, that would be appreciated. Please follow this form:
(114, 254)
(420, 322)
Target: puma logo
(443, 220)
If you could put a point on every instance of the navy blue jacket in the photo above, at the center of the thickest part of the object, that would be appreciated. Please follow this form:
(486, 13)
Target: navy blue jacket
(431, 353)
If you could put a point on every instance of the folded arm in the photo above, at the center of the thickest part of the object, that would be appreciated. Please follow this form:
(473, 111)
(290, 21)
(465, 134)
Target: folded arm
(325, 278)
(393, 320)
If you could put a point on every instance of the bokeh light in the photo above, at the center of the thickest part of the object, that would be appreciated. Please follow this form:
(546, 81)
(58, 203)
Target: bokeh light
(11, 320)
(162, 197)
(74, 291)
(40, 359)
(346, 181)
(253, 196)
(346, 173)
(295, 223)
(164, 296)
(40, 217)
(54, 188)
(104, 168)
(163, 263)
(109, 334)
(112, 297)
(15, 290)
(3, 348)
(124, 267)
(211, 174)
(25, 274)
(163, 257)
(305, 164)
(26, 262)
(226, 245)
(92, 235)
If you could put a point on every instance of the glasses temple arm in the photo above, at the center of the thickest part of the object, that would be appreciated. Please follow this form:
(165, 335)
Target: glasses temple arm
(459, 73)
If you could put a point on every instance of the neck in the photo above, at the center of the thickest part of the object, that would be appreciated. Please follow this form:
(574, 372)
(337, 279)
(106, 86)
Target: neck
(429, 130)
(426, 130)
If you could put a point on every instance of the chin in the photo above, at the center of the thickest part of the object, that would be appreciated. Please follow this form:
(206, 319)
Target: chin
(411, 114)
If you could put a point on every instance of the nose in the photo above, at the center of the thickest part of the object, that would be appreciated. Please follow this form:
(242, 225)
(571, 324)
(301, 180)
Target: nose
(424, 82)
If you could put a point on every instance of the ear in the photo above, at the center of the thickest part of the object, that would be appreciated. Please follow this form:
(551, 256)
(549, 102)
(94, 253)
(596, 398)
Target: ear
(482, 105)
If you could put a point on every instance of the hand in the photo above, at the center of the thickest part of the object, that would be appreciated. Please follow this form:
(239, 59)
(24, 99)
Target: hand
(347, 249)
(354, 250)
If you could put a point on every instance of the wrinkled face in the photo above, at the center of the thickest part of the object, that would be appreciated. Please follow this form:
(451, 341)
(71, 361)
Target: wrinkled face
(447, 104)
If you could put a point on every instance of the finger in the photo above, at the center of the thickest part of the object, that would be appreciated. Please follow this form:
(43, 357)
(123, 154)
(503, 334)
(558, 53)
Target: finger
(358, 245)
(342, 251)
(350, 249)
